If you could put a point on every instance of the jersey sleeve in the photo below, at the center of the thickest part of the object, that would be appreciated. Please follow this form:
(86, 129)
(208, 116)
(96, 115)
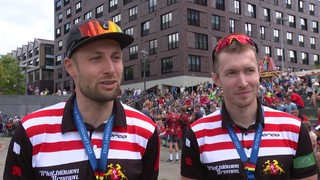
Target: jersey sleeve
(19, 158)
(150, 159)
(191, 166)
(304, 163)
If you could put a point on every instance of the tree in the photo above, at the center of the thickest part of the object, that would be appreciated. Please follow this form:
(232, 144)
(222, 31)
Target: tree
(12, 81)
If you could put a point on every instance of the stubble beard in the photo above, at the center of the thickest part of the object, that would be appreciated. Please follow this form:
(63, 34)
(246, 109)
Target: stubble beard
(98, 96)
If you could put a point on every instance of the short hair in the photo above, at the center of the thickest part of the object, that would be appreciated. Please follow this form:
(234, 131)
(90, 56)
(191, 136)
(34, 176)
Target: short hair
(234, 47)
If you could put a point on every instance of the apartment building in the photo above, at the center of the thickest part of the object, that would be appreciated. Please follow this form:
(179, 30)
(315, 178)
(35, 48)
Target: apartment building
(174, 38)
(36, 60)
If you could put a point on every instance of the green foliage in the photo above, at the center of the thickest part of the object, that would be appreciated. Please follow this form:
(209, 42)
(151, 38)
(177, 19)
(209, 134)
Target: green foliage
(12, 79)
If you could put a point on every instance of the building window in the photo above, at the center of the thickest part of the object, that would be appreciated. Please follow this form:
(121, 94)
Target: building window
(303, 23)
(311, 9)
(129, 31)
(248, 29)
(30, 54)
(126, 2)
(252, 10)
(300, 5)
(68, 12)
(58, 59)
(194, 63)
(293, 56)
(133, 13)
(37, 50)
(193, 17)
(266, 14)
(201, 2)
(316, 59)
(60, 73)
(279, 17)
(152, 5)
(58, 5)
(301, 40)
(133, 52)
(276, 2)
(128, 73)
(288, 4)
(276, 35)
(99, 11)
(166, 65)
(215, 22)
(60, 17)
(166, 20)
(231, 26)
(117, 19)
(173, 41)
(312, 42)
(169, 2)
(279, 54)
(262, 32)
(113, 5)
(153, 46)
(66, 2)
(58, 32)
(145, 28)
(145, 69)
(88, 15)
(292, 21)
(77, 20)
(78, 7)
(304, 58)
(267, 51)
(60, 45)
(66, 28)
(220, 4)
(201, 41)
(315, 26)
(289, 38)
(237, 7)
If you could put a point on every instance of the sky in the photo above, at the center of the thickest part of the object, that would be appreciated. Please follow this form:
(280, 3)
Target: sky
(22, 21)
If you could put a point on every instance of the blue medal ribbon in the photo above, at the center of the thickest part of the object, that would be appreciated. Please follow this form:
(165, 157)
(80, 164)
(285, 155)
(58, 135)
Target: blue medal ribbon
(249, 165)
(87, 142)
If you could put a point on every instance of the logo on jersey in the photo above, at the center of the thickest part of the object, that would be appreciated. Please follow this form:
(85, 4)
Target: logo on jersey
(115, 173)
(272, 168)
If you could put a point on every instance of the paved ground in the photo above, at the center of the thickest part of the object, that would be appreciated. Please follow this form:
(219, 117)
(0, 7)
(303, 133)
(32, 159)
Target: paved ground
(168, 171)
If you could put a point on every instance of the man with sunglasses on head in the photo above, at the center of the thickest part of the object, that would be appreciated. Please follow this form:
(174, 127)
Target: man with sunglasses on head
(245, 140)
(92, 135)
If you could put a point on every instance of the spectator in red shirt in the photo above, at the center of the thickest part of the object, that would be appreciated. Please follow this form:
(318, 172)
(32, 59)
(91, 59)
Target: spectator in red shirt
(173, 130)
(296, 98)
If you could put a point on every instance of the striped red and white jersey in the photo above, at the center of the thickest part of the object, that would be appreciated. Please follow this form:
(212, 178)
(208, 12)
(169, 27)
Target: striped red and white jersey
(48, 146)
(209, 152)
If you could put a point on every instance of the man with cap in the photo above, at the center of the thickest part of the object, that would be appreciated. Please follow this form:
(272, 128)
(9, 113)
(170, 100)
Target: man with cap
(245, 140)
(92, 135)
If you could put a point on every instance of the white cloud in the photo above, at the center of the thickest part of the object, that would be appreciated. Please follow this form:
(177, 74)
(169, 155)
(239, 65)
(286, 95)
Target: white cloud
(22, 21)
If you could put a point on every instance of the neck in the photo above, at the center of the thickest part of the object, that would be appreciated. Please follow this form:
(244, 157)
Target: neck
(94, 113)
(243, 117)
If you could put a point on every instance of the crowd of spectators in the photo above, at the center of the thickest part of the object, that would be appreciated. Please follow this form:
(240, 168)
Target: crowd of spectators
(281, 91)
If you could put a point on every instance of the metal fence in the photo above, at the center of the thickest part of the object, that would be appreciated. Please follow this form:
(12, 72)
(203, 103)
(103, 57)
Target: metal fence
(21, 105)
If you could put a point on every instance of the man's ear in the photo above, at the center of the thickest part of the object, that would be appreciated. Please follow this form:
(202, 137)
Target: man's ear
(69, 66)
(215, 79)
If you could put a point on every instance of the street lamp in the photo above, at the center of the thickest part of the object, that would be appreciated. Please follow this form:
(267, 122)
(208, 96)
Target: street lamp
(26, 66)
(281, 43)
(145, 55)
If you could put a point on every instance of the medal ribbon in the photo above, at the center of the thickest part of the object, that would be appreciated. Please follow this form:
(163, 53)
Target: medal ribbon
(249, 165)
(99, 171)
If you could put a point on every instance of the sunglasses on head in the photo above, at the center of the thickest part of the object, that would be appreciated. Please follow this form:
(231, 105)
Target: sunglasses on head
(94, 28)
(227, 40)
